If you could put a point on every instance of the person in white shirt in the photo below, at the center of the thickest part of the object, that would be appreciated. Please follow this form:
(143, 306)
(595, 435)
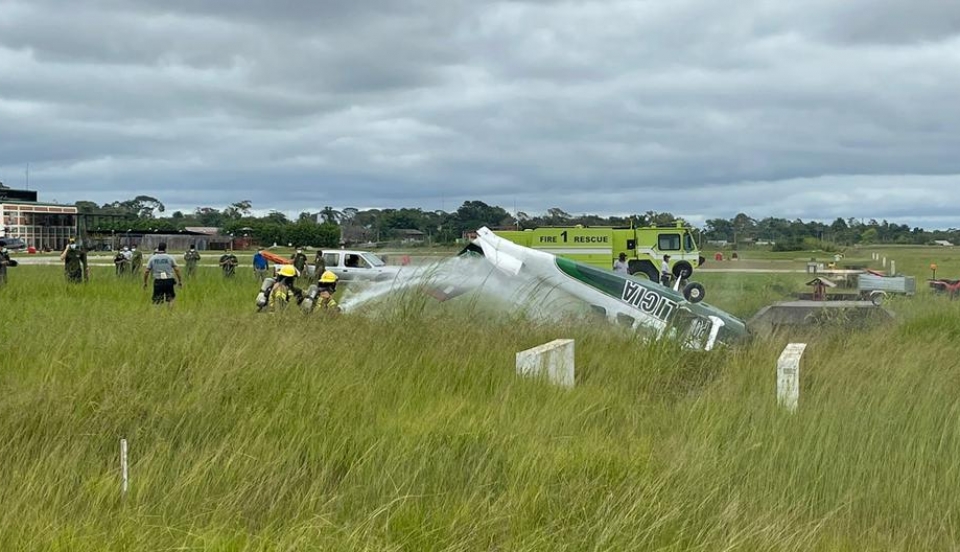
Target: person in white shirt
(620, 265)
(665, 274)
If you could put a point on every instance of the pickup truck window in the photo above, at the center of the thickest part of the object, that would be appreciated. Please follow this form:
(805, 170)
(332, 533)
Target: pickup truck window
(331, 259)
(373, 260)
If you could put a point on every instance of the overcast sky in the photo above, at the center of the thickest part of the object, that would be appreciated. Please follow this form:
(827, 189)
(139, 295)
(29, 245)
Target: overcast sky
(812, 109)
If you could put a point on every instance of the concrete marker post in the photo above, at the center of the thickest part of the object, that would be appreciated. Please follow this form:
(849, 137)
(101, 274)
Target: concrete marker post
(884, 263)
(124, 470)
(553, 360)
(788, 376)
(893, 267)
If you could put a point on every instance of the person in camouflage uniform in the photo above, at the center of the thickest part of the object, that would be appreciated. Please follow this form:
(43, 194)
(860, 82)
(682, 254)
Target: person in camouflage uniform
(228, 263)
(75, 263)
(319, 265)
(299, 260)
(136, 263)
(192, 258)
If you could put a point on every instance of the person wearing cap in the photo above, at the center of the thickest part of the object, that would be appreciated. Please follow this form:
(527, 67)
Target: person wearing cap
(620, 265)
(166, 275)
(260, 264)
(192, 258)
(75, 263)
(665, 274)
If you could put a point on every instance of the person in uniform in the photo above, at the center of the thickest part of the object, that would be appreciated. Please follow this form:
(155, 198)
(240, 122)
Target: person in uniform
(192, 258)
(228, 263)
(166, 276)
(75, 263)
(136, 261)
(327, 287)
(284, 290)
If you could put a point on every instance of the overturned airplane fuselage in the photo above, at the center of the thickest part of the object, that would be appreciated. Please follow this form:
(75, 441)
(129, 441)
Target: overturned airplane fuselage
(623, 299)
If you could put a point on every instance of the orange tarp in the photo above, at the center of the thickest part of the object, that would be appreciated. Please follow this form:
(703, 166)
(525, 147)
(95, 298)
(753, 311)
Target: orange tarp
(274, 258)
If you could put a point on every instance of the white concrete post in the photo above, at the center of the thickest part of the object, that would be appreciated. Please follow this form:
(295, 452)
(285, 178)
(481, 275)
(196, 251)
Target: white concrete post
(788, 376)
(893, 267)
(553, 360)
(124, 473)
(884, 263)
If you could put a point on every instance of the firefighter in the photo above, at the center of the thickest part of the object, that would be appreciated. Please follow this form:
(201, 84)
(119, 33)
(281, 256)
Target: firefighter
(326, 288)
(284, 291)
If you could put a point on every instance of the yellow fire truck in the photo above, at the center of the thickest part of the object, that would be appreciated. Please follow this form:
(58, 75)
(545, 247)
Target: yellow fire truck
(601, 245)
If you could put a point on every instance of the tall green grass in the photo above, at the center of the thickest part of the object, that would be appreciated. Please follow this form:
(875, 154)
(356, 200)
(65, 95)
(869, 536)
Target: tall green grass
(410, 431)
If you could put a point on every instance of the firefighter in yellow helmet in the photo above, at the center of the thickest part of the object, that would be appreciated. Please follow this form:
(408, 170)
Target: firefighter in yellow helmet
(284, 291)
(327, 286)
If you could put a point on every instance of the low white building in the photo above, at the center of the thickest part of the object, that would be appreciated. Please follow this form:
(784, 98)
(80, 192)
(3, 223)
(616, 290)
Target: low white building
(39, 225)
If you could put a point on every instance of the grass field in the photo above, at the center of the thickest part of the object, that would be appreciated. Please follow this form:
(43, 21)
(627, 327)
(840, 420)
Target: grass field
(410, 431)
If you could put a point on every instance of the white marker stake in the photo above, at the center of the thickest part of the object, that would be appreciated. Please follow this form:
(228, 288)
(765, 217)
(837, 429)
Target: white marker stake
(884, 262)
(124, 473)
(788, 376)
(554, 360)
(893, 267)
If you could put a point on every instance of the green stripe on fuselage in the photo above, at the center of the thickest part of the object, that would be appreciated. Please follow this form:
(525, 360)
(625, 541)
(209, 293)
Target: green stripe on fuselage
(630, 291)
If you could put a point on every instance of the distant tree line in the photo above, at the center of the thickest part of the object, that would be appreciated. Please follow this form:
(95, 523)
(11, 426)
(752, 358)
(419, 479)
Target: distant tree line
(795, 235)
(330, 226)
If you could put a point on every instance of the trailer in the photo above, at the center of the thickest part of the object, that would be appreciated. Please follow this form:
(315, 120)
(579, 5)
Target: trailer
(871, 286)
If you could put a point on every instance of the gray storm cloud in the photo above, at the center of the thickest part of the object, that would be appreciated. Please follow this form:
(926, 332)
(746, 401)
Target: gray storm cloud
(803, 110)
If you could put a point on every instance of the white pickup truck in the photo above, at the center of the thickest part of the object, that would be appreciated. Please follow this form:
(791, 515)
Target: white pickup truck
(350, 264)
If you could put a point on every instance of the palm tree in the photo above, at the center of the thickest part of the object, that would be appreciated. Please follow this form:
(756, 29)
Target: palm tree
(331, 215)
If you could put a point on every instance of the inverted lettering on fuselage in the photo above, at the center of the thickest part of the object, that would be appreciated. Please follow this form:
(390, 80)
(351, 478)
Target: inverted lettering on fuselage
(648, 301)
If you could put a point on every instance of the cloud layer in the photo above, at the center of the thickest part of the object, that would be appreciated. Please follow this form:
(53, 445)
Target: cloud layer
(812, 110)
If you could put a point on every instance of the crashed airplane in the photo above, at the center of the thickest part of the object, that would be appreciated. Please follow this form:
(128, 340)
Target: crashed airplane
(639, 302)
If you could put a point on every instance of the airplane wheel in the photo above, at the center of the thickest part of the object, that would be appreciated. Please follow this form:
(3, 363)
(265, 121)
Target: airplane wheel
(694, 292)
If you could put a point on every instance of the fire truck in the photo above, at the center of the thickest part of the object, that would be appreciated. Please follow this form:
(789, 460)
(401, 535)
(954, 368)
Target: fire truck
(600, 246)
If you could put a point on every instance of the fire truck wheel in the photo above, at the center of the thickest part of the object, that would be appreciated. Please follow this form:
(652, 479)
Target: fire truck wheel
(693, 292)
